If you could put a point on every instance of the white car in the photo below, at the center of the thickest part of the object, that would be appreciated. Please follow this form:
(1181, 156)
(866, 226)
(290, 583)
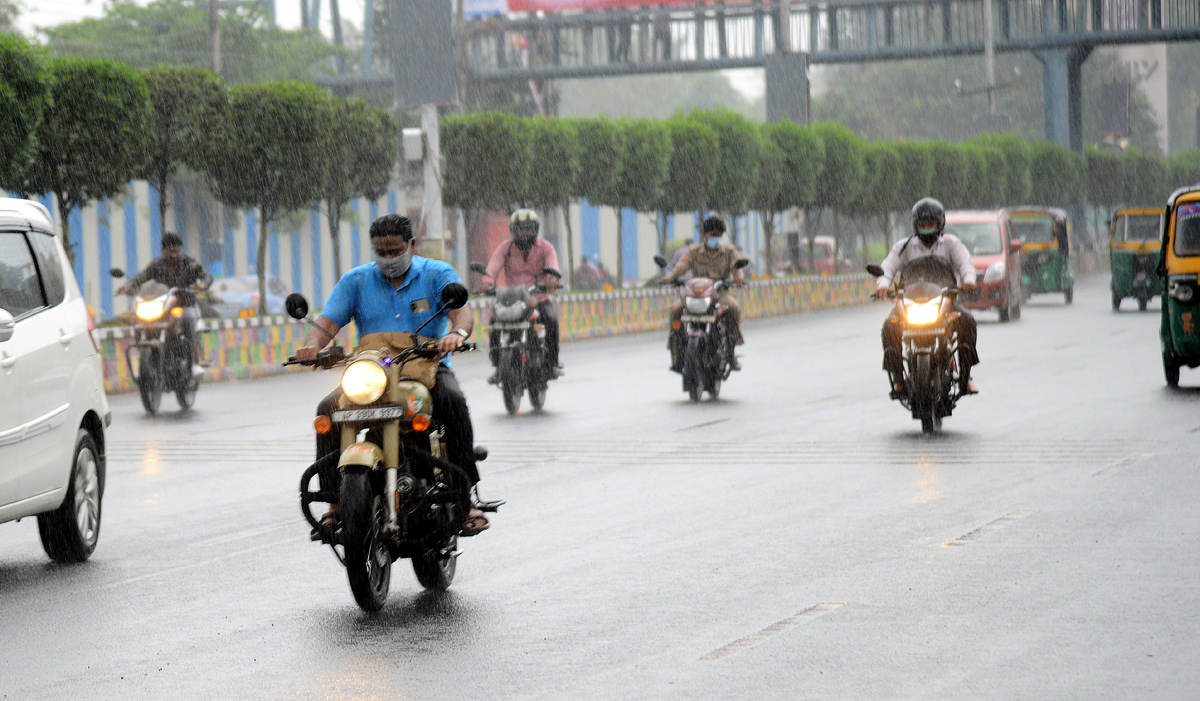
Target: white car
(53, 410)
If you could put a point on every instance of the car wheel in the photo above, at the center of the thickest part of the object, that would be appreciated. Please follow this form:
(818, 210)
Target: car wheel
(70, 532)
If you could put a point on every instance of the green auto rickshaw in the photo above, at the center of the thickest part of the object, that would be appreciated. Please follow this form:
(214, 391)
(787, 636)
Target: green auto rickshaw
(1045, 236)
(1179, 269)
(1134, 252)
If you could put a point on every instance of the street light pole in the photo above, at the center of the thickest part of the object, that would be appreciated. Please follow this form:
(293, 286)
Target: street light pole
(989, 56)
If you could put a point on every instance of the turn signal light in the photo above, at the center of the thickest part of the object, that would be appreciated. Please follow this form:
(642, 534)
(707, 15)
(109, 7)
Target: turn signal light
(177, 312)
(323, 424)
(420, 423)
(676, 325)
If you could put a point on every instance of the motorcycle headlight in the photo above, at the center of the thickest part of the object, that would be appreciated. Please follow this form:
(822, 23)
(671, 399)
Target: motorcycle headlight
(995, 272)
(697, 305)
(364, 381)
(922, 313)
(149, 311)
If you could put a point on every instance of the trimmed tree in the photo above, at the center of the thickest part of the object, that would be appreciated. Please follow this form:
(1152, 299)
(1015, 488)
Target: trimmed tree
(1105, 179)
(189, 117)
(879, 188)
(1147, 180)
(601, 153)
(839, 186)
(738, 158)
(25, 84)
(553, 163)
(950, 172)
(92, 139)
(1017, 183)
(912, 180)
(643, 169)
(273, 159)
(691, 172)
(361, 151)
(803, 161)
(1056, 174)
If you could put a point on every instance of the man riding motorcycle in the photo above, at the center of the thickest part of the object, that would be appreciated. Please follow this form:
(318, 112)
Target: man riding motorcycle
(928, 239)
(711, 259)
(398, 292)
(174, 269)
(522, 261)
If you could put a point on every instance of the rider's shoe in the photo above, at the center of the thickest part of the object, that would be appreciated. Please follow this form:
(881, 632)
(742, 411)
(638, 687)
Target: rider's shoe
(898, 391)
(734, 364)
(197, 370)
(556, 372)
(495, 378)
(971, 388)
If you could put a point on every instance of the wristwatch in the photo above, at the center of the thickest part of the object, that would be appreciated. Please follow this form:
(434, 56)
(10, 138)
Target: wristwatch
(463, 332)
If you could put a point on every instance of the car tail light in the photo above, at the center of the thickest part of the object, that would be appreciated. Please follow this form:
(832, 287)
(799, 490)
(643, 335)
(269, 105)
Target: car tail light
(93, 332)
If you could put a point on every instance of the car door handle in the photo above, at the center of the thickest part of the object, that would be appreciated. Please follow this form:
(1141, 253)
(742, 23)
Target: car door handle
(8, 361)
(65, 338)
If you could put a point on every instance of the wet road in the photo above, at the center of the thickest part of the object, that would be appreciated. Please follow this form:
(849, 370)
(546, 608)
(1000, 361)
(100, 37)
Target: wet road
(798, 538)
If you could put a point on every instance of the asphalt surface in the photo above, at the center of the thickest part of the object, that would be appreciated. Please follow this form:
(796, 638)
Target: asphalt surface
(799, 538)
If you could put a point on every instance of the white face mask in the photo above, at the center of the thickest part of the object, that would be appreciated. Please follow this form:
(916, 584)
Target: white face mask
(713, 242)
(393, 268)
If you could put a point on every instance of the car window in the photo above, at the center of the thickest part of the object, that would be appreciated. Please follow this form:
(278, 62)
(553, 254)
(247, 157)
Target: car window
(981, 239)
(1187, 229)
(20, 287)
(49, 266)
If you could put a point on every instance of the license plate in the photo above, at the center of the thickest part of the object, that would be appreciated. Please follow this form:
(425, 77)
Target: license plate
(378, 413)
(698, 318)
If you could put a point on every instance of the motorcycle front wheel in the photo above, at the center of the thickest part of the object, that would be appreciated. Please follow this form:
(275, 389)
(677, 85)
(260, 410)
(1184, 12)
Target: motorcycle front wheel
(510, 379)
(150, 382)
(693, 369)
(435, 569)
(924, 401)
(368, 562)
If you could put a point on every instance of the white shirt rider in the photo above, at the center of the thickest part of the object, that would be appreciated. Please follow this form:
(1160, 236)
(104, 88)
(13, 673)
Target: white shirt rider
(947, 246)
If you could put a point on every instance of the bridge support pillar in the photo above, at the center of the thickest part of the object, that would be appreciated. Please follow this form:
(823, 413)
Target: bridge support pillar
(787, 87)
(1062, 83)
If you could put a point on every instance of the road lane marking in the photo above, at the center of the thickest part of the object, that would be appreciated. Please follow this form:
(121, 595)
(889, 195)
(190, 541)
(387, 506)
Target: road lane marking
(706, 423)
(248, 534)
(822, 400)
(772, 630)
(185, 567)
(986, 528)
(1122, 464)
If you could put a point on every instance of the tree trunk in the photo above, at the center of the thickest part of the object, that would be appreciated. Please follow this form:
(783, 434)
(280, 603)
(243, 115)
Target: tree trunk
(64, 211)
(837, 239)
(768, 222)
(620, 247)
(262, 262)
(334, 212)
(161, 186)
(570, 267)
(733, 230)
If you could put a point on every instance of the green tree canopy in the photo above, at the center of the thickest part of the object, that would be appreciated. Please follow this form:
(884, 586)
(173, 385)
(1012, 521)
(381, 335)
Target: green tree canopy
(175, 33)
(1185, 168)
(274, 158)
(486, 160)
(838, 186)
(693, 166)
(1056, 175)
(1105, 178)
(601, 152)
(360, 153)
(1147, 180)
(950, 173)
(645, 159)
(25, 84)
(189, 118)
(739, 155)
(1015, 152)
(914, 175)
(92, 138)
(803, 163)
(553, 162)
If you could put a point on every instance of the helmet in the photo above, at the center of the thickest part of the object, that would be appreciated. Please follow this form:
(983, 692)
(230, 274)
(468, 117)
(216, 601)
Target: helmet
(929, 209)
(524, 225)
(713, 223)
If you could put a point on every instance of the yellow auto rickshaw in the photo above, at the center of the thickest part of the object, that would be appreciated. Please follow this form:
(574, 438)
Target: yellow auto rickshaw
(1045, 236)
(1179, 269)
(1133, 255)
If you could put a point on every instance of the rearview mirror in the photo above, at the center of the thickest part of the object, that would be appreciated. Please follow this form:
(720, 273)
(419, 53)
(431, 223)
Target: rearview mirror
(7, 325)
(116, 272)
(454, 295)
(1014, 246)
(660, 261)
(875, 270)
(296, 305)
(478, 268)
(740, 263)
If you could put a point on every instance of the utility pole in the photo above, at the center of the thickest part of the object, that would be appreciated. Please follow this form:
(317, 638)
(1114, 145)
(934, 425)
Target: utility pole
(989, 56)
(214, 41)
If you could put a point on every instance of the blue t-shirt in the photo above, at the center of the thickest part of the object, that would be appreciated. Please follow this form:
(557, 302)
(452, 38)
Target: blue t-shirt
(365, 295)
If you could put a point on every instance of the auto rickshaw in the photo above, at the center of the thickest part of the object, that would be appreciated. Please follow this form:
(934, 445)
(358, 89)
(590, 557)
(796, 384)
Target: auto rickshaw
(1045, 236)
(1179, 269)
(1134, 253)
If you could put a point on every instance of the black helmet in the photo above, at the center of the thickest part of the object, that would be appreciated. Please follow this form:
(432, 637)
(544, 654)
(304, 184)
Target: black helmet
(713, 223)
(929, 209)
(524, 225)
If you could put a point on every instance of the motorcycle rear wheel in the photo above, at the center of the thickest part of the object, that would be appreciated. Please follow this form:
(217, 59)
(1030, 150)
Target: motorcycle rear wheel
(435, 569)
(693, 370)
(368, 562)
(149, 383)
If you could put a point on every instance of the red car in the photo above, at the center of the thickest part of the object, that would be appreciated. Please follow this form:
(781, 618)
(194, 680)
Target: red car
(996, 256)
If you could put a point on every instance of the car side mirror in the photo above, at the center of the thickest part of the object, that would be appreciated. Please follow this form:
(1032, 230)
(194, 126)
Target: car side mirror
(478, 268)
(116, 272)
(740, 263)
(1014, 246)
(296, 305)
(454, 295)
(7, 325)
(875, 270)
(660, 261)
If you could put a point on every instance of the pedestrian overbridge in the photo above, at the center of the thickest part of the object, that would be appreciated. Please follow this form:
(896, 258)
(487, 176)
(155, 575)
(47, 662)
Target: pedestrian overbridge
(702, 37)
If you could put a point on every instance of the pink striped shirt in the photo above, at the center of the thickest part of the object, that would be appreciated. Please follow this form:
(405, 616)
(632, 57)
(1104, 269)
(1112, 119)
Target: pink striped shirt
(510, 266)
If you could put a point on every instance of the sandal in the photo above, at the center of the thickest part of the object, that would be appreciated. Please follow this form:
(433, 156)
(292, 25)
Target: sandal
(475, 524)
(329, 523)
